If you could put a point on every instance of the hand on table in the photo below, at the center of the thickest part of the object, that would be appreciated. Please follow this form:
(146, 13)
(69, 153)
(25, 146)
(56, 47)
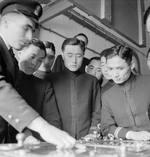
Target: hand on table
(140, 135)
(52, 134)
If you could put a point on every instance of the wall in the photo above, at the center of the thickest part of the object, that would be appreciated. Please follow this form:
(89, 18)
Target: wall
(67, 28)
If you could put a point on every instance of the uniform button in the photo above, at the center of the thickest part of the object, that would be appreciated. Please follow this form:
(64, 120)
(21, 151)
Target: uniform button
(17, 120)
(10, 116)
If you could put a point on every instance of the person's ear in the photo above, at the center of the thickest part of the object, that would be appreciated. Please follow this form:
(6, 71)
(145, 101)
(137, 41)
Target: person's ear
(86, 68)
(133, 64)
(62, 54)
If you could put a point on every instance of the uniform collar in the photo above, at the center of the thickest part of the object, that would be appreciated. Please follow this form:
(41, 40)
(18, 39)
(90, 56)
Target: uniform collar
(5, 41)
(72, 74)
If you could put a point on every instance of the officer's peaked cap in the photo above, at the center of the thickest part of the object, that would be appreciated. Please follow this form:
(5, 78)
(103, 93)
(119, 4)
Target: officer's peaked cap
(30, 8)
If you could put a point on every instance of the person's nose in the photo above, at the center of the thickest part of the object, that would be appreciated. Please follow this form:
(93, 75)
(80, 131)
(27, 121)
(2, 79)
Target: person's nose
(115, 74)
(29, 35)
(95, 72)
(74, 59)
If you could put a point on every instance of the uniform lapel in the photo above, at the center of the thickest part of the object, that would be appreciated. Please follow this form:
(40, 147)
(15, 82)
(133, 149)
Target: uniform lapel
(8, 61)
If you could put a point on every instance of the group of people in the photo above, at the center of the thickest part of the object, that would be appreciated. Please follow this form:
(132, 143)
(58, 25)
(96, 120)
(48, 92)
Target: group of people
(67, 102)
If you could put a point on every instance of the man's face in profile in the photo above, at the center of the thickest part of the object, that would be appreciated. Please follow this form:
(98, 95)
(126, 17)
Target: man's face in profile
(19, 29)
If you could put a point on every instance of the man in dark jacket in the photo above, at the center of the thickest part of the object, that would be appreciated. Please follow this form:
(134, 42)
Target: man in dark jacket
(39, 94)
(77, 93)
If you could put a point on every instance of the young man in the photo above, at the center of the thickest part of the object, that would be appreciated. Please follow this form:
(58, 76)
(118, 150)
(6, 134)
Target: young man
(125, 105)
(39, 94)
(77, 94)
(59, 63)
(17, 23)
(94, 68)
(44, 71)
(31, 57)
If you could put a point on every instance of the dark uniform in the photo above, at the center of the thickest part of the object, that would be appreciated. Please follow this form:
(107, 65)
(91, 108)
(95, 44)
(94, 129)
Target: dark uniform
(12, 107)
(78, 99)
(39, 95)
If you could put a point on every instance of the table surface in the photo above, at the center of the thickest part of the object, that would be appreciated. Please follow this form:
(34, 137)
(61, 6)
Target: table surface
(93, 149)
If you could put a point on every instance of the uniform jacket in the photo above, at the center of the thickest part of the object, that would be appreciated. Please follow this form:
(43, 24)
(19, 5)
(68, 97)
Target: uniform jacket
(39, 95)
(78, 99)
(12, 107)
(125, 107)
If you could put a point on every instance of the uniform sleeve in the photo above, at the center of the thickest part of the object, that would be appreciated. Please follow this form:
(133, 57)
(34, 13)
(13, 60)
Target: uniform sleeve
(96, 103)
(3, 130)
(108, 123)
(13, 108)
(50, 108)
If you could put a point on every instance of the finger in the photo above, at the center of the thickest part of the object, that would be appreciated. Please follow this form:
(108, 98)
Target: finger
(70, 140)
(67, 144)
(31, 140)
(145, 138)
(80, 146)
(64, 143)
(60, 145)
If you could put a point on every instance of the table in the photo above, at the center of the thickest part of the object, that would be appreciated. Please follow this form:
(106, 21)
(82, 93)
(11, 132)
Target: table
(93, 149)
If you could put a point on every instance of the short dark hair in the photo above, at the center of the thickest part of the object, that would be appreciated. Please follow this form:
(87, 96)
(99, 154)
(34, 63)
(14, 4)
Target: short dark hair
(82, 34)
(105, 52)
(146, 14)
(123, 52)
(73, 41)
(94, 58)
(38, 43)
(49, 45)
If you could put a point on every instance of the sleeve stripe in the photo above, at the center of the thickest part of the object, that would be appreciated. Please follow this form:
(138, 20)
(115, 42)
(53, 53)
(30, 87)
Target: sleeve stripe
(117, 132)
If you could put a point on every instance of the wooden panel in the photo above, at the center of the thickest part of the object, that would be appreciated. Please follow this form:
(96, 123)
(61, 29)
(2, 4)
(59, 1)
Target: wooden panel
(123, 16)
(54, 9)
(92, 6)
